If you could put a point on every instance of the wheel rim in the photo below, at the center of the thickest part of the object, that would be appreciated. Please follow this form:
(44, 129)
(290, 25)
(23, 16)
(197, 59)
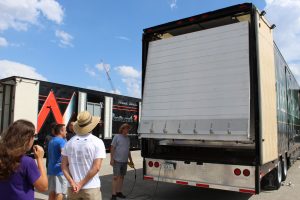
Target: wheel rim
(279, 172)
(284, 167)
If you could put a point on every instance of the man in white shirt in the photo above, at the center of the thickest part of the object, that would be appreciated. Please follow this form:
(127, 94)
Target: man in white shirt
(82, 158)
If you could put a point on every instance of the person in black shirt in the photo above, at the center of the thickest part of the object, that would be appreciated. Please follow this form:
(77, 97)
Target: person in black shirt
(70, 133)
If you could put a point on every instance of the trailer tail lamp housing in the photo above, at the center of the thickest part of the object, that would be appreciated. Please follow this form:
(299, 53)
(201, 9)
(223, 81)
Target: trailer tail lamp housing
(246, 172)
(244, 6)
(237, 172)
(156, 164)
(179, 22)
(148, 178)
(192, 19)
(150, 164)
(204, 16)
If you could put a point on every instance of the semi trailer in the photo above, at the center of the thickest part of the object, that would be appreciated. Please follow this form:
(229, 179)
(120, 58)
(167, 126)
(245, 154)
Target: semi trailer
(220, 106)
(43, 103)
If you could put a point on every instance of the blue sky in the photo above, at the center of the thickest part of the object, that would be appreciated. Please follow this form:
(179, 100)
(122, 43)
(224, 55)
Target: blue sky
(71, 41)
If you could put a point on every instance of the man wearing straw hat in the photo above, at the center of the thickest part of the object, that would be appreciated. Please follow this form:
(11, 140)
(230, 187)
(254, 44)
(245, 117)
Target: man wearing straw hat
(119, 159)
(82, 158)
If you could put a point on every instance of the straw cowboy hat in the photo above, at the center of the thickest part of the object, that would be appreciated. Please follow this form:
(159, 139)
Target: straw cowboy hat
(85, 123)
(123, 126)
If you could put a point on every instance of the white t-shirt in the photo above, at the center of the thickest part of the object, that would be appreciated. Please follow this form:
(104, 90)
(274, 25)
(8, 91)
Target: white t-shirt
(81, 152)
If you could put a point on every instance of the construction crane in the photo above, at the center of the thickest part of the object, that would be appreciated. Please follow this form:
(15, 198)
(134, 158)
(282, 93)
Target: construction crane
(108, 77)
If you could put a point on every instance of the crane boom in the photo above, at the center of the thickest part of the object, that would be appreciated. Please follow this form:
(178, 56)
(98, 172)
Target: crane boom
(108, 77)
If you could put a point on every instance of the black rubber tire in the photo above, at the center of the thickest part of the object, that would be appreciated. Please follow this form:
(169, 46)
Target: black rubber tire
(278, 176)
(284, 164)
(272, 180)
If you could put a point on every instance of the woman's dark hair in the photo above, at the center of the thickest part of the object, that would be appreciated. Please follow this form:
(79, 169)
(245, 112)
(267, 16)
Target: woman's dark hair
(13, 145)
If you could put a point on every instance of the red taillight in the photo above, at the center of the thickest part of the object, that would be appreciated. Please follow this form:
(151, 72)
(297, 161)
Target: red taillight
(149, 30)
(150, 164)
(246, 172)
(148, 178)
(191, 19)
(156, 164)
(243, 6)
(247, 191)
(205, 16)
(237, 172)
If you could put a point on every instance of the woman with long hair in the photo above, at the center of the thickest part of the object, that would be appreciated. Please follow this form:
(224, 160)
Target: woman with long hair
(19, 174)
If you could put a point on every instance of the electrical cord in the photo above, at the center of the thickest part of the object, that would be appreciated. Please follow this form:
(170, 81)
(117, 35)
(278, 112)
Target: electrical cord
(132, 188)
(143, 196)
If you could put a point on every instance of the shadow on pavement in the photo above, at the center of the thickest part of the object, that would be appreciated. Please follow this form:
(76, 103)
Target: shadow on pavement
(148, 190)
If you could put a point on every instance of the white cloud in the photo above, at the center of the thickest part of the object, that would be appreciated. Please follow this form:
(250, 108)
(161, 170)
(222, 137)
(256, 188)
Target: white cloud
(10, 68)
(128, 71)
(97, 70)
(132, 79)
(3, 42)
(19, 14)
(52, 10)
(296, 71)
(173, 4)
(102, 66)
(133, 86)
(116, 91)
(96, 88)
(285, 14)
(123, 38)
(90, 71)
(104, 90)
(65, 39)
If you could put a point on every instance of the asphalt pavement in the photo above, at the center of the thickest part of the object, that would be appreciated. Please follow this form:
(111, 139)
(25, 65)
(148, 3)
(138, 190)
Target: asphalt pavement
(138, 189)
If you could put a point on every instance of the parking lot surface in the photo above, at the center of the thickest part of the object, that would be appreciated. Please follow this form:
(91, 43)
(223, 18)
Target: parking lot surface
(149, 190)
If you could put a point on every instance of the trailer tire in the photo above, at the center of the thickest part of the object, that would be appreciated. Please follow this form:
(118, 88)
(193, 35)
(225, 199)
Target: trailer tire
(278, 175)
(284, 168)
(272, 180)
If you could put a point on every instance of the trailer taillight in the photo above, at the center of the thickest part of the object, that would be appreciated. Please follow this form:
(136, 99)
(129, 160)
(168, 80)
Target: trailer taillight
(246, 172)
(179, 22)
(156, 164)
(192, 19)
(150, 164)
(237, 172)
(204, 16)
(242, 6)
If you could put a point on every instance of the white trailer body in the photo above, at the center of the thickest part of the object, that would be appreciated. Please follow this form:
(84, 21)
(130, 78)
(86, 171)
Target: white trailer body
(209, 112)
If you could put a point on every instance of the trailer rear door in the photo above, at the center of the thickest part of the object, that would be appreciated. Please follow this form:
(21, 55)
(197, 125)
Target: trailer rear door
(197, 86)
(6, 104)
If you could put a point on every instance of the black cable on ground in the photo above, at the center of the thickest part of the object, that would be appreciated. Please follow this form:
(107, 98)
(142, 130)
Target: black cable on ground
(143, 196)
(127, 195)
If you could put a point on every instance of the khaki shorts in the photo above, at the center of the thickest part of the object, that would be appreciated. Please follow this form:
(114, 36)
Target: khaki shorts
(85, 194)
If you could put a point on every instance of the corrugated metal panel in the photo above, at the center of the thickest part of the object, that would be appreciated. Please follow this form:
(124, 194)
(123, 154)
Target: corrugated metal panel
(200, 80)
